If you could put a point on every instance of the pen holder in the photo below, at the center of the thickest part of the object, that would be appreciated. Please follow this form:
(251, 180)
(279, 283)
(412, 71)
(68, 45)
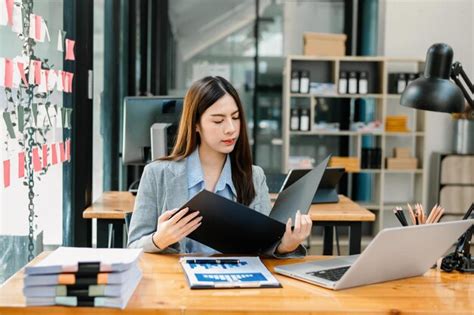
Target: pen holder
(418, 215)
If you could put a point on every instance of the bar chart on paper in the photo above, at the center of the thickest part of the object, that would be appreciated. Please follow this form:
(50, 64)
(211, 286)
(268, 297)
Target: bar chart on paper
(226, 272)
(231, 277)
(215, 265)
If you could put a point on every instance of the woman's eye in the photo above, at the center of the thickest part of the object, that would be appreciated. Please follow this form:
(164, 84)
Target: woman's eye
(236, 118)
(218, 121)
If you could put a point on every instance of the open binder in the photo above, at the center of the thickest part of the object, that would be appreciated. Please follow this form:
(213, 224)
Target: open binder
(232, 228)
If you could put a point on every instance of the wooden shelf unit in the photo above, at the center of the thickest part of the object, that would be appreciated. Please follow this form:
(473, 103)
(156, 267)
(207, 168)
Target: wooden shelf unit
(326, 70)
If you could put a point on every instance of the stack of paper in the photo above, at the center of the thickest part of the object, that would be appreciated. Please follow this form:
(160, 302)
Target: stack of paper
(83, 277)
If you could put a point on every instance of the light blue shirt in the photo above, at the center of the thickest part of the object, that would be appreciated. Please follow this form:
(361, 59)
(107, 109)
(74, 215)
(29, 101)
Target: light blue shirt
(224, 188)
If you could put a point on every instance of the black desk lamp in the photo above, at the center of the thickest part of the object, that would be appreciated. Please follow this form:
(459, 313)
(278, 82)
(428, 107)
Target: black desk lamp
(434, 91)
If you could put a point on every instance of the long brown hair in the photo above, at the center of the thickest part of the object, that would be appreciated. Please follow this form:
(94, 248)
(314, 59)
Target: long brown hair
(200, 96)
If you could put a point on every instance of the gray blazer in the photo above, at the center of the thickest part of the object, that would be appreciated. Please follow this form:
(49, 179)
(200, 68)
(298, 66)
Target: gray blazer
(163, 187)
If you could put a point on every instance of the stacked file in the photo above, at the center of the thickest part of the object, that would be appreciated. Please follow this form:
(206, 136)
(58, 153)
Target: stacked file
(96, 277)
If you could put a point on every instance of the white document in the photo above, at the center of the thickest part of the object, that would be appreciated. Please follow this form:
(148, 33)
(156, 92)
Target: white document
(227, 272)
(17, 20)
(67, 259)
(52, 78)
(42, 88)
(61, 36)
(71, 279)
(32, 26)
(3, 12)
(44, 31)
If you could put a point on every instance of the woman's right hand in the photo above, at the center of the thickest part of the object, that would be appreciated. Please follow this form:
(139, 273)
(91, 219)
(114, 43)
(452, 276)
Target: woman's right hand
(171, 229)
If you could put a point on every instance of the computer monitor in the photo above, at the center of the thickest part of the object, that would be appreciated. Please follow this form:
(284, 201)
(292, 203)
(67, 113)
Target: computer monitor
(140, 113)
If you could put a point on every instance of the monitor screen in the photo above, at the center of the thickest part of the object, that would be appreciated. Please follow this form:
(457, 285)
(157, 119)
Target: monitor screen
(140, 112)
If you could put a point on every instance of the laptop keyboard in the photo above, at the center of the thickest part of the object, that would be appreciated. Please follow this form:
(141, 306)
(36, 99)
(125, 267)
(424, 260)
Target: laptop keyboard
(330, 274)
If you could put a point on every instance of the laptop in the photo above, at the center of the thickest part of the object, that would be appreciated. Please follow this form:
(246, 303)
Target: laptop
(395, 253)
(327, 189)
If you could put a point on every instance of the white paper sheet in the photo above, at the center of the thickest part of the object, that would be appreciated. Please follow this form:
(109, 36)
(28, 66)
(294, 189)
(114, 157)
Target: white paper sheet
(214, 272)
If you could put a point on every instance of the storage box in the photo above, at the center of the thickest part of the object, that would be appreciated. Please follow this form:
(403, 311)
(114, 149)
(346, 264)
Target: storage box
(400, 152)
(324, 44)
(402, 163)
(351, 164)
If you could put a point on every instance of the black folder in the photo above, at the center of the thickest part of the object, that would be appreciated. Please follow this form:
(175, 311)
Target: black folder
(232, 228)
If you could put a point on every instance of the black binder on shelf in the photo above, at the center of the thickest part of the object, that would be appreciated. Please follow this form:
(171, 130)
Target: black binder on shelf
(232, 228)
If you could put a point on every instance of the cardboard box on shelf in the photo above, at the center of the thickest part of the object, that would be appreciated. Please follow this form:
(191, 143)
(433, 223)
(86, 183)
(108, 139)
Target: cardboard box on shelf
(402, 163)
(351, 164)
(401, 152)
(396, 123)
(324, 44)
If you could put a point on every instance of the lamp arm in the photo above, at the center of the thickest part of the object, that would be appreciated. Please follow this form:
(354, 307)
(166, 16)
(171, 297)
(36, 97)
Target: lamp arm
(456, 70)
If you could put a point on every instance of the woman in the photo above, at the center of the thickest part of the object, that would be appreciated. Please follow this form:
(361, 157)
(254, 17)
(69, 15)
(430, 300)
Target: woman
(211, 152)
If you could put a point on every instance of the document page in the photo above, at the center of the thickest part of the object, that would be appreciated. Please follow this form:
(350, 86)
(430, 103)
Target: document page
(227, 272)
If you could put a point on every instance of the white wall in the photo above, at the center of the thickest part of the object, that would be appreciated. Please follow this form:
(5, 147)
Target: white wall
(309, 16)
(408, 27)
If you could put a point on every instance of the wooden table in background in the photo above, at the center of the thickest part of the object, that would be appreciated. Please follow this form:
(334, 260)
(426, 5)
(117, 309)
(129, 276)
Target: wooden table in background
(344, 213)
(164, 290)
(110, 210)
(111, 207)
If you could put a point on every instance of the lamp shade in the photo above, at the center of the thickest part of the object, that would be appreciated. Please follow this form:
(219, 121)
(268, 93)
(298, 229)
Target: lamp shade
(434, 91)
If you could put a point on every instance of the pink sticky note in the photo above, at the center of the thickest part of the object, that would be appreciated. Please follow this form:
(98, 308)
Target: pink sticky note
(21, 68)
(54, 154)
(21, 164)
(6, 173)
(8, 73)
(62, 154)
(37, 72)
(45, 155)
(38, 25)
(36, 160)
(10, 11)
(70, 49)
(70, 75)
(68, 149)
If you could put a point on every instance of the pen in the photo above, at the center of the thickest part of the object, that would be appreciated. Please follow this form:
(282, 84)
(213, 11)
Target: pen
(395, 211)
(213, 261)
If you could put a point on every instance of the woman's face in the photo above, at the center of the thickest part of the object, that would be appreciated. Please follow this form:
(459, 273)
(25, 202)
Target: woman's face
(219, 127)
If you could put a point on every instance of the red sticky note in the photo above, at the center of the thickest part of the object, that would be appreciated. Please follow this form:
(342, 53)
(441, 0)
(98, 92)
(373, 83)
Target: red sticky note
(38, 25)
(36, 160)
(61, 152)
(10, 11)
(21, 68)
(37, 72)
(6, 173)
(70, 49)
(45, 155)
(21, 164)
(68, 149)
(8, 73)
(54, 154)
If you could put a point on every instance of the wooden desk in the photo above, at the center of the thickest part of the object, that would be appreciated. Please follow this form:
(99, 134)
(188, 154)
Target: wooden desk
(110, 210)
(164, 290)
(111, 207)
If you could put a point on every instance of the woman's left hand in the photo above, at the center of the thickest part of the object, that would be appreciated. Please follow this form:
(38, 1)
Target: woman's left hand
(293, 238)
